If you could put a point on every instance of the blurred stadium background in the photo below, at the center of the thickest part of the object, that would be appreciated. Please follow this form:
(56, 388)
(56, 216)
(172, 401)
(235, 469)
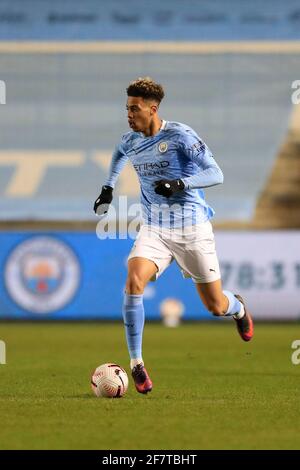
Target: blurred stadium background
(231, 70)
(228, 69)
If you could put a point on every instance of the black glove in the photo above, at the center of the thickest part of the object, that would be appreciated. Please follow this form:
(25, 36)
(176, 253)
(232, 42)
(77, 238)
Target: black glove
(168, 187)
(102, 202)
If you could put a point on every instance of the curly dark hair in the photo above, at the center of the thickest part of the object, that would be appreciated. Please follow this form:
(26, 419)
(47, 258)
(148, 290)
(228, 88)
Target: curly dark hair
(146, 88)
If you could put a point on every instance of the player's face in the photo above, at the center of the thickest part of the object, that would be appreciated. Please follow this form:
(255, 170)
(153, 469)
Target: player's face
(140, 113)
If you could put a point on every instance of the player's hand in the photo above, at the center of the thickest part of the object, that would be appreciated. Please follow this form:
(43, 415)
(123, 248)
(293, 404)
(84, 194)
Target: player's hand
(102, 202)
(168, 187)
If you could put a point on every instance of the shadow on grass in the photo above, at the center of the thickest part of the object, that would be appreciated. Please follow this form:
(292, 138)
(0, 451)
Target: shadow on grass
(80, 396)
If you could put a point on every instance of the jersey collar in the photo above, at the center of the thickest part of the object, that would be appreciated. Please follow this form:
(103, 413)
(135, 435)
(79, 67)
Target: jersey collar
(163, 125)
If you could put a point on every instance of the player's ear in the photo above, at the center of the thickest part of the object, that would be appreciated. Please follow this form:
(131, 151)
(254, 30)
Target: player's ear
(153, 109)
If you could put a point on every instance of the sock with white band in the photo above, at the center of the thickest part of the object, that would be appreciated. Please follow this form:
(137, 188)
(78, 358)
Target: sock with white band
(235, 307)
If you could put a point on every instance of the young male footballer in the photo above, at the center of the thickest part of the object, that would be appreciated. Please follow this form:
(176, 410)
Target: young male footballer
(173, 165)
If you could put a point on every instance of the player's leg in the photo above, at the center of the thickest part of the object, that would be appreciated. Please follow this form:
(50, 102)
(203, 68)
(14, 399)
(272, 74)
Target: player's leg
(225, 303)
(196, 255)
(148, 258)
(140, 271)
(213, 297)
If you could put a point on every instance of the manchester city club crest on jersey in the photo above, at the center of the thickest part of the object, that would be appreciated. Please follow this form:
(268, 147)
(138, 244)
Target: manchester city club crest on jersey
(163, 147)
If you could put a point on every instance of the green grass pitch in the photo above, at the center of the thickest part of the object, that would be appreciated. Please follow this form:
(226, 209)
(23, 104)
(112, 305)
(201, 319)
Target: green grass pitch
(211, 390)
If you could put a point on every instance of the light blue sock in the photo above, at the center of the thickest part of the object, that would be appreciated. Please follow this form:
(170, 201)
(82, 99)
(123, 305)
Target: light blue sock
(134, 319)
(235, 306)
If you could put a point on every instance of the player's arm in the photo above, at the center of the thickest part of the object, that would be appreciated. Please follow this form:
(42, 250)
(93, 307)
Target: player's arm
(104, 199)
(206, 170)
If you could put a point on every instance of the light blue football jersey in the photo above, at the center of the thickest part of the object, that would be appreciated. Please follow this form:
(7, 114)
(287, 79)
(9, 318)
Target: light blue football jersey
(175, 152)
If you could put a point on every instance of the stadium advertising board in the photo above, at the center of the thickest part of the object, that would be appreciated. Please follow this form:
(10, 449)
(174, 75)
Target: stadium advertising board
(67, 275)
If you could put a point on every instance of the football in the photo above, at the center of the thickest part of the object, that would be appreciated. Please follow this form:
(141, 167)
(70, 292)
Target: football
(109, 380)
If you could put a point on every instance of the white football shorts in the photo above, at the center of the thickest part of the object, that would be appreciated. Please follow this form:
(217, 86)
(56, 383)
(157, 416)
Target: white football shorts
(193, 248)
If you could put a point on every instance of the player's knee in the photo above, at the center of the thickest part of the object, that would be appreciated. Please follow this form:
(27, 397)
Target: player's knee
(134, 284)
(215, 308)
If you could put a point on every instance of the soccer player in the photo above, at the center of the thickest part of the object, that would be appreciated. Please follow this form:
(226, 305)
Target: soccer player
(173, 165)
